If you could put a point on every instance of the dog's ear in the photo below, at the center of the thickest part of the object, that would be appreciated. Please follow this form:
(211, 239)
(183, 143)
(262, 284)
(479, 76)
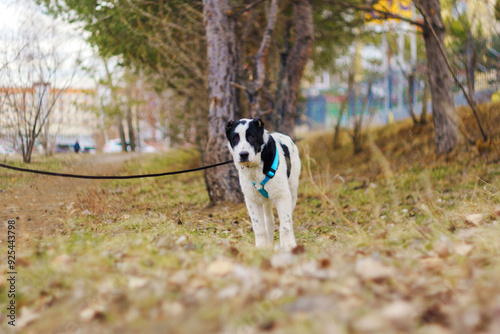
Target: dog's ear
(259, 122)
(229, 127)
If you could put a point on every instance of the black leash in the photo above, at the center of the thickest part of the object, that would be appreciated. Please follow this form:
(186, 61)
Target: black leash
(104, 177)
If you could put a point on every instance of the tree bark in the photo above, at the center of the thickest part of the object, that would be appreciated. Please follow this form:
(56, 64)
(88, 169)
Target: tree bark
(121, 132)
(223, 61)
(411, 84)
(425, 97)
(295, 64)
(470, 66)
(131, 135)
(443, 106)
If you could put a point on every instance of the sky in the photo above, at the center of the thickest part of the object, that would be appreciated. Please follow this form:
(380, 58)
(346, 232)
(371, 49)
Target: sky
(70, 40)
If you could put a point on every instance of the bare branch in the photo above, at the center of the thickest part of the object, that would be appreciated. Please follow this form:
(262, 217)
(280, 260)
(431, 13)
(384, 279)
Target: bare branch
(264, 45)
(247, 8)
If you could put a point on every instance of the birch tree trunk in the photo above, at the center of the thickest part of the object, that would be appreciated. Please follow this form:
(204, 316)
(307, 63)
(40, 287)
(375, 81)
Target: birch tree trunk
(222, 53)
(443, 106)
(295, 64)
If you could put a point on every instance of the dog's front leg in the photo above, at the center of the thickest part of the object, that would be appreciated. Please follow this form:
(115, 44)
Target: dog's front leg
(256, 212)
(284, 208)
(268, 211)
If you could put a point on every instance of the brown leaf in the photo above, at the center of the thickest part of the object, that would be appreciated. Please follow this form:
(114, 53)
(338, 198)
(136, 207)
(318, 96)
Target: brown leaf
(497, 210)
(431, 263)
(442, 248)
(299, 249)
(233, 251)
(324, 263)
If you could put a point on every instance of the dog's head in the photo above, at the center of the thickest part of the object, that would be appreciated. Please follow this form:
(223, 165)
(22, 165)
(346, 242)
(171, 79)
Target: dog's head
(246, 139)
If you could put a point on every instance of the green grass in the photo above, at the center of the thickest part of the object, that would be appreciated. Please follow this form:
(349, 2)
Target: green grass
(151, 256)
(10, 178)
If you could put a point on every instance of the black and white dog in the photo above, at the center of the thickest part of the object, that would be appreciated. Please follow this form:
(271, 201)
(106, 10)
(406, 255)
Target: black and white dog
(269, 170)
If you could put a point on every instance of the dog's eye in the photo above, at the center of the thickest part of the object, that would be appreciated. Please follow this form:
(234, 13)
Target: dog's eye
(236, 139)
(250, 137)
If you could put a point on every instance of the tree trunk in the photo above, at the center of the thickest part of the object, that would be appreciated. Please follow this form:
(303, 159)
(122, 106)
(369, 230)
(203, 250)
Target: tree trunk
(222, 54)
(443, 106)
(346, 102)
(121, 132)
(425, 98)
(295, 64)
(30, 144)
(131, 135)
(411, 84)
(279, 103)
(470, 66)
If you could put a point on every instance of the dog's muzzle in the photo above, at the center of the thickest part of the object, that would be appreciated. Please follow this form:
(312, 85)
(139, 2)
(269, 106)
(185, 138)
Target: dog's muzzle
(244, 156)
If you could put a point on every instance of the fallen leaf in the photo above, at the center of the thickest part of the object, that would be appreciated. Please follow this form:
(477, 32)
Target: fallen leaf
(324, 263)
(435, 329)
(371, 269)
(197, 283)
(228, 292)
(299, 249)
(63, 262)
(431, 263)
(165, 241)
(463, 248)
(178, 278)
(371, 323)
(442, 248)
(180, 240)
(281, 260)
(497, 210)
(26, 317)
(86, 213)
(220, 267)
(399, 313)
(92, 312)
(172, 308)
(466, 233)
(136, 282)
(475, 219)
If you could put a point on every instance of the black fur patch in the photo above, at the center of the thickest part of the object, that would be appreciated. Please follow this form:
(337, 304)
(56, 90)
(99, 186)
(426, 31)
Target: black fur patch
(231, 136)
(287, 157)
(268, 154)
(255, 134)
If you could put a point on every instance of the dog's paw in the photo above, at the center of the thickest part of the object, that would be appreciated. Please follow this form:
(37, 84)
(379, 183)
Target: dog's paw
(288, 246)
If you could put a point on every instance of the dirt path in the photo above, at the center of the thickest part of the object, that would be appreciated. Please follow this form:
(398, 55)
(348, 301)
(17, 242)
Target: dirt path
(40, 206)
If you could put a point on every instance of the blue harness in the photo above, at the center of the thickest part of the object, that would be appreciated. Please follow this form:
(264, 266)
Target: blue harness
(269, 175)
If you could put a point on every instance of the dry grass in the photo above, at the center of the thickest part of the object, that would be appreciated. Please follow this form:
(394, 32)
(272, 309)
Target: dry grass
(386, 249)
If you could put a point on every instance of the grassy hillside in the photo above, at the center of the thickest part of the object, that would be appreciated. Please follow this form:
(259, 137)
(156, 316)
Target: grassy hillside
(387, 245)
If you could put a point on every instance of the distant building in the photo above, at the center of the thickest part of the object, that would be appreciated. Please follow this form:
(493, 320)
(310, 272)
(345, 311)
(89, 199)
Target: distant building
(71, 111)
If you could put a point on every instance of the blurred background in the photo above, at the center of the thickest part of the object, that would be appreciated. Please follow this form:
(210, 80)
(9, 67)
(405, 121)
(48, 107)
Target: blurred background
(136, 72)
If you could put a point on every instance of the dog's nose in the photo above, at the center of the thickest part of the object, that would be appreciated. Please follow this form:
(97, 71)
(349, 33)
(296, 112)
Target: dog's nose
(244, 156)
